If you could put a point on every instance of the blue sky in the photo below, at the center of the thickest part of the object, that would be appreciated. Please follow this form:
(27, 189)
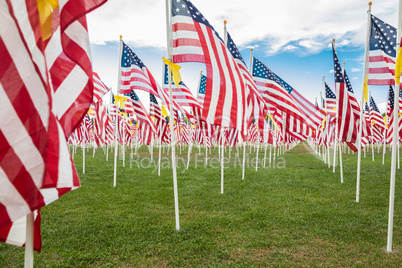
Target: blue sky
(291, 37)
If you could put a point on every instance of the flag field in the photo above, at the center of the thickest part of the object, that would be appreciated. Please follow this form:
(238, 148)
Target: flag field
(292, 213)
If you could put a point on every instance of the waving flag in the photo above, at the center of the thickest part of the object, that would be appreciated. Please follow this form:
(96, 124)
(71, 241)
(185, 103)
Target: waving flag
(201, 89)
(390, 115)
(147, 126)
(255, 102)
(134, 74)
(382, 54)
(100, 89)
(182, 95)
(377, 121)
(330, 101)
(273, 91)
(312, 114)
(36, 113)
(347, 126)
(195, 40)
(154, 110)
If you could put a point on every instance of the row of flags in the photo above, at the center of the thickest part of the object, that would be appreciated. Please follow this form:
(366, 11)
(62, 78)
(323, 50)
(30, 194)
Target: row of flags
(50, 65)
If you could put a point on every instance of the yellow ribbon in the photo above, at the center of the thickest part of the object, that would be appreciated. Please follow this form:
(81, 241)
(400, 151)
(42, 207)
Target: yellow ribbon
(372, 122)
(323, 122)
(398, 67)
(175, 71)
(365, 91)
(164, 112)
(45, 10)
(119, 101)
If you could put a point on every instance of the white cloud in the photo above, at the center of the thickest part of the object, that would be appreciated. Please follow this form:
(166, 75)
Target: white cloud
(276, 25)
(331, 71)
(355, 78)
(354, 70)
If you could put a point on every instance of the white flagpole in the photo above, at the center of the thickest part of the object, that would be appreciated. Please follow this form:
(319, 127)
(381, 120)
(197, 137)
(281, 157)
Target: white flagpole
(256, 162)
(340, 161)
(29, 241)
(265, 152)
(189, 152)
(83, 159)
(124, 144)
(222, 156)
(116, 123)
(395, 139)
(107, 152)
(172, 134)
(365, 72)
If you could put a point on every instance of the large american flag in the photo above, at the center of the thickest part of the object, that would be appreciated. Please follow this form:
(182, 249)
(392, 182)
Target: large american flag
(382, 54)
(100, 89)
(330, 101)
(347, 127)
(273, 91)
(182, 94)
(312, 114)
(256, 107)
(195, 40)
(36, 114)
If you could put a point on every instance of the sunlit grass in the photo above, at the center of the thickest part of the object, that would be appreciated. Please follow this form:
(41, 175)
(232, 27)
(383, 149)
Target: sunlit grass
(292, 213)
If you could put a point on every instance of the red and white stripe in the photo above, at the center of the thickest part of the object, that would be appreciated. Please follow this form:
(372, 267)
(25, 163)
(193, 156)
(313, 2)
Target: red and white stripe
(36, 167)
(225, 100)
(100, 89)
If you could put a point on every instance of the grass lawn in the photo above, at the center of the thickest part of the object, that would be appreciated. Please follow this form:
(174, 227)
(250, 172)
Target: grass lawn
(295, 214)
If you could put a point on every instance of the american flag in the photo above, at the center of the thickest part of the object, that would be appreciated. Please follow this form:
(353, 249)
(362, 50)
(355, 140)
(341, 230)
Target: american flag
(354, 104)
(182, 94)
(377, 121)
(37, 115)
(109, 130)
(68, 59)
(100, 121)
(273, 91)
(201, 89)
(382, 54)
(310, 112)
(100, 89)
(330, 101)
(195, 40)
(134, 74)
(154, 108)
(128, 107)
(347, 127)
(233, 137)
(147, 126)
(256, 104)
(390, 115)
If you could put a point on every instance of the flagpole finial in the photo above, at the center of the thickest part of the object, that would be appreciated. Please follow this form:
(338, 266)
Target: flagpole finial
(370, 3)
(333, 40)
(224, 21)
(251, 49)
(121, 36)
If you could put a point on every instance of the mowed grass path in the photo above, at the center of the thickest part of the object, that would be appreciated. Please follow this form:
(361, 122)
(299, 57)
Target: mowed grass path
(297, 214)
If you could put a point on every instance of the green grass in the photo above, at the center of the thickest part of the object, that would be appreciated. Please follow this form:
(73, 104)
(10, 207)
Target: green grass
(297, 214)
